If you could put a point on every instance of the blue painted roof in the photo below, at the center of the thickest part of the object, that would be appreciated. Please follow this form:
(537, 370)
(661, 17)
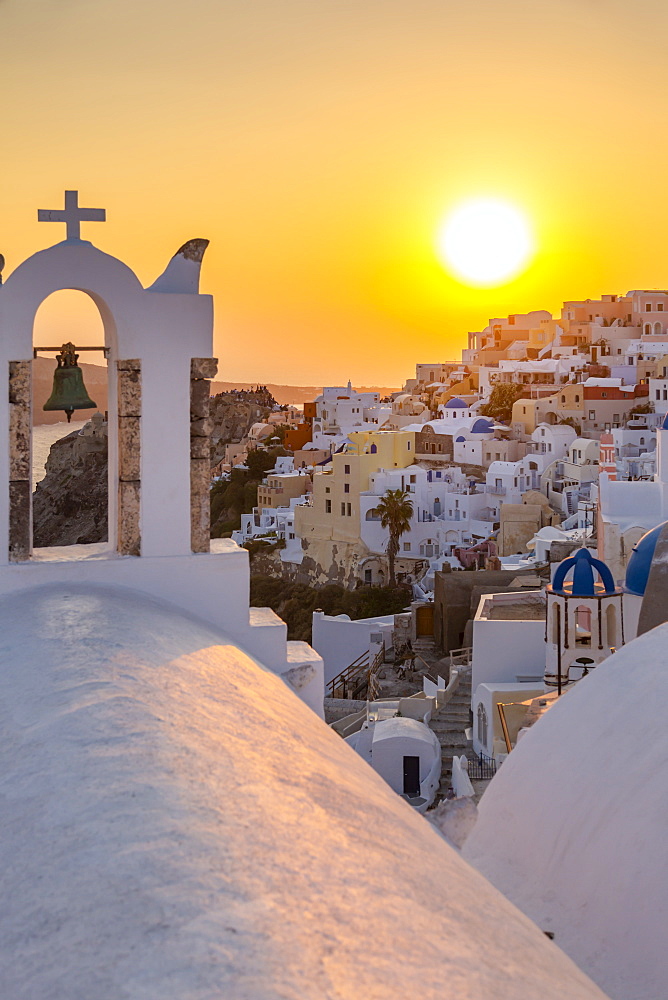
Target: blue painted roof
(640, 563)
(482, 425)
(460, 438)
(583, 565)
(664, 425)
(455, 404)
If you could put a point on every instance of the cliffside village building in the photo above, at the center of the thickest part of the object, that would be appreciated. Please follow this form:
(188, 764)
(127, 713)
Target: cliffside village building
(598, 369)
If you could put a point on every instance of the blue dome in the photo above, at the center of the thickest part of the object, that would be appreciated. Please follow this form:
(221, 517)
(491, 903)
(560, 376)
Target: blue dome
(483, 425)
(460, 438)
(664, 425)
(640, 563)
(456, 404)
(583, 584)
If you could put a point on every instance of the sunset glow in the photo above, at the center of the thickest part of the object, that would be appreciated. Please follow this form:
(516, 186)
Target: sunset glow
(485, 242)
(319, 148)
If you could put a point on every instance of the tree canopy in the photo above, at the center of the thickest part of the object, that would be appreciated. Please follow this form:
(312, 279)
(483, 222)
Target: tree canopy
(396, 510)
(501, 399)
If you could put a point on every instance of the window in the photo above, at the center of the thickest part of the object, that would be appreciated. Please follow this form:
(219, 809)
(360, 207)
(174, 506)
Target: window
(592, 415)
(343, 510)
(328, 506)
(367, 576)
(482, 725)
(326, 489)
(577, 399)
(582, 625)
(412, 479)
(648, 307)
(659, 307)
(349, 511)
(407, 546)
(346, 470)
(611, 626)
(408, 446)
(604, 395)
(615, 418)
(346, 487)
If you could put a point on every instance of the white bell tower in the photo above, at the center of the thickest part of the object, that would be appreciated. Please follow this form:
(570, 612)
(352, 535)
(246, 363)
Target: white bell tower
(585, 620)
(159, 342)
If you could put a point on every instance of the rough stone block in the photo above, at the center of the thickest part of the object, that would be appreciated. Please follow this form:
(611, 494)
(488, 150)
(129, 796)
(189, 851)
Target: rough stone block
(19, 443)
(129, 365)
(20, 385)
(129, 394)
(203, 367)
(200, 428)
(200, 448)
(129, 538)
(19, 521)
(200, 518)
(199, 398)
(129, 455)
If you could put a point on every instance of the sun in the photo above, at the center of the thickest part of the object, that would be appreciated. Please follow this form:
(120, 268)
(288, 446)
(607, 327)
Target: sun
(485, 242)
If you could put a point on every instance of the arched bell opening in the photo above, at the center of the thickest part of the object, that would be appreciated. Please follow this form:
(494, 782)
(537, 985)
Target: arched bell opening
(70, 393)
(582, 623)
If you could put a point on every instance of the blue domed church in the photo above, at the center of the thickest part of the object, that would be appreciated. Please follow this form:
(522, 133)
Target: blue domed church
(585, 619)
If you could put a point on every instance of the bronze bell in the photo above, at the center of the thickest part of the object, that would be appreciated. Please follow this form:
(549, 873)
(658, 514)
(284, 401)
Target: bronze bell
(69, 392)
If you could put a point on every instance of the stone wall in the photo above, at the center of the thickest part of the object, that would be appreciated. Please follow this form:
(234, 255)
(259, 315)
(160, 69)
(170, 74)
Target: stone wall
(129, 457)
(20, 523)
(202, 370)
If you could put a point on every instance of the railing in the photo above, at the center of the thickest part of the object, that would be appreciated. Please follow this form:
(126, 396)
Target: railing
(460, 659)
(481, 767)
(359, 679)
(499, 490)
(373, 688)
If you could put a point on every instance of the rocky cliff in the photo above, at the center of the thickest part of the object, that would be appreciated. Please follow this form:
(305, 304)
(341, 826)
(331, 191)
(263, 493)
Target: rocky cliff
(232, 416)
(70, 503)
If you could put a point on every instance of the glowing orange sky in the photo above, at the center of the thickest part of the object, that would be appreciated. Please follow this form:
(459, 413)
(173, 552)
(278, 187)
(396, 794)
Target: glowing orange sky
(319, 144)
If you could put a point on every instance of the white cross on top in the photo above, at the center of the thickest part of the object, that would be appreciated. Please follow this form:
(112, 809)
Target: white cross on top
(72, 215)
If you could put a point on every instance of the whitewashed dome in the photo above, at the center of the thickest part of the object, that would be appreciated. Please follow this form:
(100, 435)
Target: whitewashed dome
(177, 824)
(573, 827)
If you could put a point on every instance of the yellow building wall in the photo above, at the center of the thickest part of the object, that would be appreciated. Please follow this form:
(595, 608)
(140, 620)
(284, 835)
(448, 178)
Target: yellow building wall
(352, 469)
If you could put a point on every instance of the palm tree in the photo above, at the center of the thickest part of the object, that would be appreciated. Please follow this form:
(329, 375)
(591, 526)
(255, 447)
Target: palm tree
(396, 510)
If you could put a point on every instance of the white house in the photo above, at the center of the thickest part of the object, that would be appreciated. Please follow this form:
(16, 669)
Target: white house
(628, 509)
(405, 753)
(448, 511)
(341, 410)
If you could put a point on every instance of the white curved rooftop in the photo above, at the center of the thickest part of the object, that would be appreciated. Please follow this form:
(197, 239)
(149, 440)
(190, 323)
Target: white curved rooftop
(573, 826)
(177, 824)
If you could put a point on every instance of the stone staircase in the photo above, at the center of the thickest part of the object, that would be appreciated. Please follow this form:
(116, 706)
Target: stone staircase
(449, 724)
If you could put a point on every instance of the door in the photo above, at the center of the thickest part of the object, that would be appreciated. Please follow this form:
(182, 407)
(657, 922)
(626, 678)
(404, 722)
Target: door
(424, 620)
(411, 776)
